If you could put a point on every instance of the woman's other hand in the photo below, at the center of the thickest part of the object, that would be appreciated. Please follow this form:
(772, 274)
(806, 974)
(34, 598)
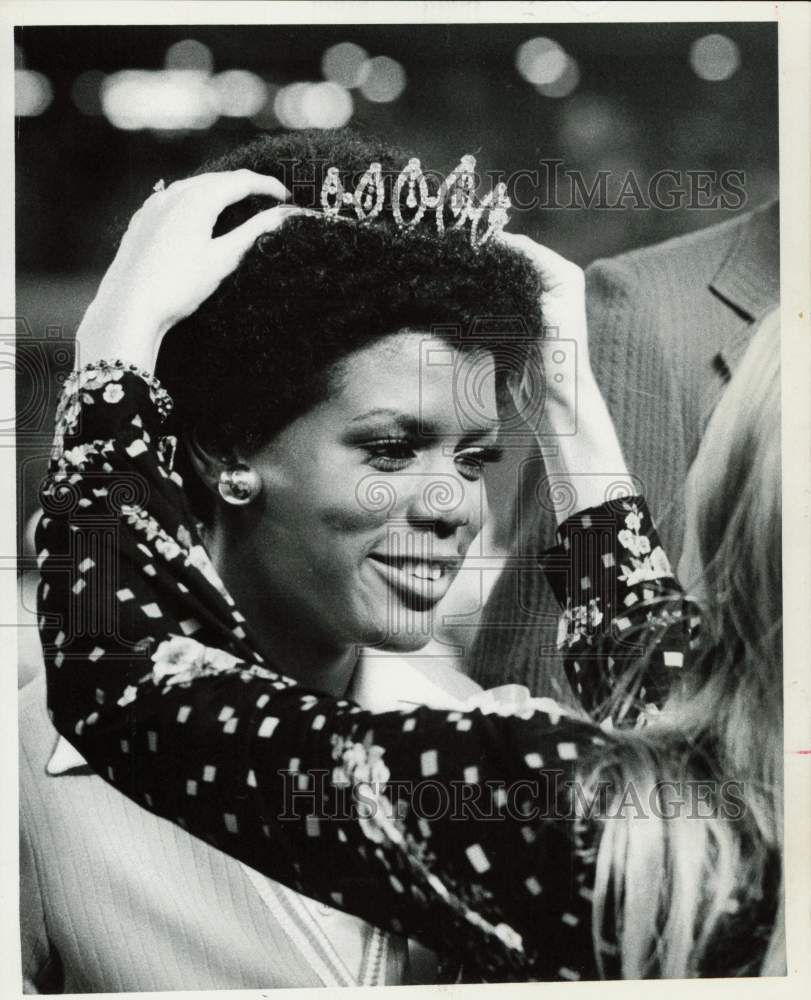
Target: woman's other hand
(563, 303)
(168, 263)
(575, 431)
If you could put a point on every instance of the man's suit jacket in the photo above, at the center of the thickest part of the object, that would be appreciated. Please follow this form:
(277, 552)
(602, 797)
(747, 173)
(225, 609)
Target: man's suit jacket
(667, 324)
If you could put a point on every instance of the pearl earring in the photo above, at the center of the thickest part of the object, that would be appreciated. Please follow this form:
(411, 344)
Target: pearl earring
(239, 486)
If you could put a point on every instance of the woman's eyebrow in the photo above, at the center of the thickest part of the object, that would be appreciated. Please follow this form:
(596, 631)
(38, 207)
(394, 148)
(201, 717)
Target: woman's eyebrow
(480, 436)
(419, 427)
(406, 421)
(381, 412)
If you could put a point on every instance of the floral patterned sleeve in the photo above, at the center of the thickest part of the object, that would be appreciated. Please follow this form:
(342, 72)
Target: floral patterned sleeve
(627, 629)
(456, 828)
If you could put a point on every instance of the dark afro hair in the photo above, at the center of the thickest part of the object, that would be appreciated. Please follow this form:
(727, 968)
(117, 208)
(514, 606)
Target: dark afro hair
(259, 352)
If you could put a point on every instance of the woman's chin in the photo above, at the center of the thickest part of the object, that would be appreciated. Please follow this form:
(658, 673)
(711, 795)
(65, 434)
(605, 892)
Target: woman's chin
(404, 643)
(408, 640)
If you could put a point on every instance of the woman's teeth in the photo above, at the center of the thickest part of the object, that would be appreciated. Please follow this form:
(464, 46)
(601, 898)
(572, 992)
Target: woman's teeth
(421, 569)
(427, 571)
(424, 581)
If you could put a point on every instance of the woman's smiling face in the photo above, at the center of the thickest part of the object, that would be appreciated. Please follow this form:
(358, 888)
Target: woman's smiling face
(371, 499)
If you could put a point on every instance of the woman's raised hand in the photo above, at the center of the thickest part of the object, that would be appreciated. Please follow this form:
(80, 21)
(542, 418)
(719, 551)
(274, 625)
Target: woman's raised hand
(563, 306)
(574, 414)
(168, 263)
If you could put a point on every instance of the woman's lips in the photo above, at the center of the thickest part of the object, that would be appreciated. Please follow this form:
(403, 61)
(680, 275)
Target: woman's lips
(420, 581)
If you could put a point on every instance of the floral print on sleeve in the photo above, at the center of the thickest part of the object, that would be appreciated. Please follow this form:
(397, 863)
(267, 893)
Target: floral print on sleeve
(626, 629)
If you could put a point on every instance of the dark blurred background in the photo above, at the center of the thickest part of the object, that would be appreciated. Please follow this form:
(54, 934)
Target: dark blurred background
(103, 112)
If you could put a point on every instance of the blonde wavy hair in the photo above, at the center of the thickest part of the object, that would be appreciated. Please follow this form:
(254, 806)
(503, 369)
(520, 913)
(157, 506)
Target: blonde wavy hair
(664, 886)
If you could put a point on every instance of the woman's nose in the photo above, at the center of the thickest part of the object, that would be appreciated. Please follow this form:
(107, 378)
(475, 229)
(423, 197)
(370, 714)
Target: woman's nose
(444, 502)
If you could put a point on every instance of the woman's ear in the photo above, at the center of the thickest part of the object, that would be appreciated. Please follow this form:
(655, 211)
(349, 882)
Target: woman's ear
(208, 463)
(224, 474)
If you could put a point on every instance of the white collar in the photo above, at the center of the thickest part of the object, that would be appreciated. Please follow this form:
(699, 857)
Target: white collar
(385, 682)
(64, 759)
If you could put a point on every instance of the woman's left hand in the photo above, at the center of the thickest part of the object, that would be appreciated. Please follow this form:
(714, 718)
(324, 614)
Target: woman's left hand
(574, 415)
(168, 263)
(563, 307)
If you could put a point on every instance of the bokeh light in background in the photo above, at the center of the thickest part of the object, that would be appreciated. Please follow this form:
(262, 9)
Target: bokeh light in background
(327, 105)
(239, 93)
(540, 60)
(546, 63)
(174, 99)
(714, 57)
(288, 105)
(564, 84)
(189, 54)
(265, 119)
(86, 92)
(346, 64)
(32, 93)
(313, 105)
(384, 81)
(187, 95)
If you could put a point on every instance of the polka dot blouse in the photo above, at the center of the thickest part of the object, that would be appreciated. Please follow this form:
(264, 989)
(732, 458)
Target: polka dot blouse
(463, 829)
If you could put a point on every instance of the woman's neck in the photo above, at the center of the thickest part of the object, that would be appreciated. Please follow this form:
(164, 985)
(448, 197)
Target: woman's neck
(294, 650)
(313, 665)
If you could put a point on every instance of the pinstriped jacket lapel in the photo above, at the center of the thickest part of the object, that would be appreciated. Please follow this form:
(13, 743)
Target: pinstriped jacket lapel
(749, 278)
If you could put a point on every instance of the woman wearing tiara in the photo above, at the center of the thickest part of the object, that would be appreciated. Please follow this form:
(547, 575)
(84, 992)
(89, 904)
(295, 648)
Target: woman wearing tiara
(222, 700)
(332, 487)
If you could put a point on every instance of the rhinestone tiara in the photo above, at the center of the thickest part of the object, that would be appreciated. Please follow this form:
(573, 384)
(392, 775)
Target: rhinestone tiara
(412, 201)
